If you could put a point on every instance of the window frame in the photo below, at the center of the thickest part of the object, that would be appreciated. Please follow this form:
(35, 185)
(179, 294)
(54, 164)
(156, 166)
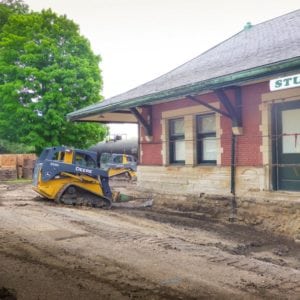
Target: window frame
(172, 139)
(201, 136)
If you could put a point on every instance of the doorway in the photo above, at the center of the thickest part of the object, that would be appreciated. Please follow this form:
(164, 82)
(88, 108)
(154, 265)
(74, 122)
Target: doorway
(286, 146)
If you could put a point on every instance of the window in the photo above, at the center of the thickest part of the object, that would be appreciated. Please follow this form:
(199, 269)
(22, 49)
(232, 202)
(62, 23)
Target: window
(118, 159)
(206, 139)
(177, 143)
(291, 129)
(84, 160)
(105, 157)
(130, 158)
(58, 155)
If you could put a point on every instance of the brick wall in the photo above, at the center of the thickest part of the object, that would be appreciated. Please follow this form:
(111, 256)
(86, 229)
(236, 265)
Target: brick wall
(248, 145)
(151, 152)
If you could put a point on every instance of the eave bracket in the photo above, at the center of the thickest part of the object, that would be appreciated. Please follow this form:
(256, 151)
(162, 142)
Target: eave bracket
(199, 101)
(147, 125)
(234, 111)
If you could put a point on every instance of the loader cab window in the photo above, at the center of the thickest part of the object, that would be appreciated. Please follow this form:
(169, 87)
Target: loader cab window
(130, 158)
(58, 155)
(118, 159)
(105, 158)
(84, 160)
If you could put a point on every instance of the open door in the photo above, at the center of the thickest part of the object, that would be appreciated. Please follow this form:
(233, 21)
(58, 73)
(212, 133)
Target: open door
(286, 146)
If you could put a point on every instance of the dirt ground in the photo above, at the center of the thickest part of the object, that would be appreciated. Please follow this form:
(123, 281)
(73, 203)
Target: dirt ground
(50, 251)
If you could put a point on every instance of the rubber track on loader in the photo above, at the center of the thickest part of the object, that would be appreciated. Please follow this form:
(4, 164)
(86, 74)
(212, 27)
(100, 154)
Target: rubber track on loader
(74, 195)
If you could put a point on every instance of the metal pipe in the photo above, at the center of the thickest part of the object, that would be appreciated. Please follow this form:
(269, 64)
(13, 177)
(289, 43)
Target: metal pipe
(232, 182)
(232, 216)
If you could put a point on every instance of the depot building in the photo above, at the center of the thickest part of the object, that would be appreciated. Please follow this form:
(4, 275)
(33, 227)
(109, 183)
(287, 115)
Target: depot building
(225, 123)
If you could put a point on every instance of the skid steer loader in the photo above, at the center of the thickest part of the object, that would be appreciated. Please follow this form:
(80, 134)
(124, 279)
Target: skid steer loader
(114, 163)
(71, 176)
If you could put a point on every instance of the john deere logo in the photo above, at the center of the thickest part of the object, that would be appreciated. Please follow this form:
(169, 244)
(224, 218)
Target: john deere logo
(285, 82)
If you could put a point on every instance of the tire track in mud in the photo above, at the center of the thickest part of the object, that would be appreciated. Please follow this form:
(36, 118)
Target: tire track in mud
(275, 278)
(107, 272)
(266, 278)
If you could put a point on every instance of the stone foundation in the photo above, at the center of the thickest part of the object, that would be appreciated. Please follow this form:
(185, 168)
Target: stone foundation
(178, 180)
(206, 190)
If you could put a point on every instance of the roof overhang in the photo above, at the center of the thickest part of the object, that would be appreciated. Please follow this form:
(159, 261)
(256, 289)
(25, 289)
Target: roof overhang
(118, 111)
(121, 116)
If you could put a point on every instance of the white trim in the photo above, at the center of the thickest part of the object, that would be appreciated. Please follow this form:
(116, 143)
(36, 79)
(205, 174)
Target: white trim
(189, 114)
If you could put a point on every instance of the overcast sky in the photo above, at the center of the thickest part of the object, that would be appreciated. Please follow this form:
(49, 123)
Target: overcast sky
(140, 40)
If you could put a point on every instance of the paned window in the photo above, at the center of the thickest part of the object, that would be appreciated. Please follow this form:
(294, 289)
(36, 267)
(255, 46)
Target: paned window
(177, 143)
(206, 139)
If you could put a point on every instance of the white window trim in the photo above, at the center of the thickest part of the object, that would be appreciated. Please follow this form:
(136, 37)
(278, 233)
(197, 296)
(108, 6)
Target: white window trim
(189, 114)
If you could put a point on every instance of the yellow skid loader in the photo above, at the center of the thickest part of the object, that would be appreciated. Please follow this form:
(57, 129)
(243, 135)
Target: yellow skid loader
(71, 176)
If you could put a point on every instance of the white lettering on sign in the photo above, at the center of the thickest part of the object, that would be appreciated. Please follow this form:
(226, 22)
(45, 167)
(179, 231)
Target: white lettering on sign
(285, 82)
(83, 170)
(54, 164)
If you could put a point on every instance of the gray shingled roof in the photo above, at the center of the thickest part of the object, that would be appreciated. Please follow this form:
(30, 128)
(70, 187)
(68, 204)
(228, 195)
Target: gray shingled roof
(264, 44)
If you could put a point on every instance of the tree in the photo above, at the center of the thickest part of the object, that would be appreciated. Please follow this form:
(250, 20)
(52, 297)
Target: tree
(5, 12)
(47, 69)
(17, 6)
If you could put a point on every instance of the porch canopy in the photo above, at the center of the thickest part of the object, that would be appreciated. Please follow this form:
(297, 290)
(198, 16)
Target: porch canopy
(254, 54)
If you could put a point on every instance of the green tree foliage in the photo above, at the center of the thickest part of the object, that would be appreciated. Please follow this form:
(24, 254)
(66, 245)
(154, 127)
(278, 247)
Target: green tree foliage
(4, 14)
(17, 6)
(47, 69)
(9, 147)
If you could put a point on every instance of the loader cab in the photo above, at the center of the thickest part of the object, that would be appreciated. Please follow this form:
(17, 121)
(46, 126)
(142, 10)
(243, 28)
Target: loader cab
(85, 159)
(66, 155)
(117, 161)
(53, 153)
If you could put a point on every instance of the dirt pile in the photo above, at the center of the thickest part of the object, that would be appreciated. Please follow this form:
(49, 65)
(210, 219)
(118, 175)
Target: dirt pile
(278, 216)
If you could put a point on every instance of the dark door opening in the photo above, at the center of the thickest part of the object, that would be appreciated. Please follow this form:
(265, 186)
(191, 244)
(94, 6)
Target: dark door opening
(286, 146)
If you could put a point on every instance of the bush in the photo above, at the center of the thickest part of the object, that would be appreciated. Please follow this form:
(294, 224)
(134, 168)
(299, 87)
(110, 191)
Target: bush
(14, 148)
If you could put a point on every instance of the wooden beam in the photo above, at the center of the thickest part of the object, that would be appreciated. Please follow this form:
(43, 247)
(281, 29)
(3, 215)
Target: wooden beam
(147, 127)
(222, 112)
(229, 107)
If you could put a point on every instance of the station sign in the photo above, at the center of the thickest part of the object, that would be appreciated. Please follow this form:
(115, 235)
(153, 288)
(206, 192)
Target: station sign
(285, 82)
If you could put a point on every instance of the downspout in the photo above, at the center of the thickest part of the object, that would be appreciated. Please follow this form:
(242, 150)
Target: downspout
(233, 211)
(235, 112)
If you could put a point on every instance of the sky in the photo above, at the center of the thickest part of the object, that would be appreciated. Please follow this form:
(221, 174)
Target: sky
(139, 40)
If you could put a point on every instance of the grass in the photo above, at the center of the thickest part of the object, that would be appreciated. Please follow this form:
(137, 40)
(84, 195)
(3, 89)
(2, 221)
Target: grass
(16, 181)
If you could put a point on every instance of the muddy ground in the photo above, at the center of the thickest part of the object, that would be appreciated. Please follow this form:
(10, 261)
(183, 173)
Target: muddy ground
(50, 251)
